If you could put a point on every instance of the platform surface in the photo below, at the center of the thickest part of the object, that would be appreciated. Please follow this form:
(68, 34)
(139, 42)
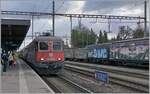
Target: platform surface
(22, 79)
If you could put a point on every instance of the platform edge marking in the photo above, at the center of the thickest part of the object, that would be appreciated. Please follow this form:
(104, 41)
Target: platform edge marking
(52, 92)
(22, 82)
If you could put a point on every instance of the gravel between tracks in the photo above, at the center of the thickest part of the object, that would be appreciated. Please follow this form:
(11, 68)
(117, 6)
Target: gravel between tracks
(65, 85)
(139, 84)
(94, 85)
(112, 68)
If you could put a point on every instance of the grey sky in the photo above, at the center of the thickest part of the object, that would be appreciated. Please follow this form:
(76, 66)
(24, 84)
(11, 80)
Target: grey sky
(107, 6)
(114, 7)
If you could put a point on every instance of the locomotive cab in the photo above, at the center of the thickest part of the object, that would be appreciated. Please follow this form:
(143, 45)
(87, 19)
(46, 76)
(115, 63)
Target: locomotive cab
(49, 55)
(50, 51)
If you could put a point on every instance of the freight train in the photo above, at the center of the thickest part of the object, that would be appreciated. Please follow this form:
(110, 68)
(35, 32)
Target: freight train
(125, 52)
(45, 55)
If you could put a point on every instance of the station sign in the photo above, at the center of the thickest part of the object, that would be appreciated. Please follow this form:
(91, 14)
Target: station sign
(102, 76)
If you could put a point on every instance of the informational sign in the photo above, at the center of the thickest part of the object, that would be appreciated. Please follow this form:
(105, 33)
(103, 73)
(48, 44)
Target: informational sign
(102, 76)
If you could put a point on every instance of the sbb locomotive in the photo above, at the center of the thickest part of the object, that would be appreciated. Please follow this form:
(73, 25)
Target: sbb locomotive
(125, 52)
(45, 55)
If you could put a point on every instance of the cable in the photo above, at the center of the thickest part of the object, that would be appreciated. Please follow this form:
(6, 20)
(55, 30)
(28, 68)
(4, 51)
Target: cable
(55, 11)
(45, 9)
(118, 22)
(60, 7)
(94, 21)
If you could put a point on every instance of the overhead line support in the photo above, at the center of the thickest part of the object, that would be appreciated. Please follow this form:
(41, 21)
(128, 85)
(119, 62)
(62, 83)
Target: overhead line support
(72, 15)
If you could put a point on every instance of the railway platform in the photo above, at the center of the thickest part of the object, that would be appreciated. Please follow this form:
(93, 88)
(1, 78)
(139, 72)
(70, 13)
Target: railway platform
(22, 80)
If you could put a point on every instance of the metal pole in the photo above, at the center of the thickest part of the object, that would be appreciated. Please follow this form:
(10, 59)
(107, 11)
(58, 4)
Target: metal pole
(145, 20)
(109, 25)
(70, 23)
(87, 39)
(71, 28)
(53, 20)
(79, 22)
(32, 27)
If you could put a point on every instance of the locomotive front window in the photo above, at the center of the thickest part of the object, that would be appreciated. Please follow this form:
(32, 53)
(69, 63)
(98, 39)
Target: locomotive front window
(56, 46)
(43, 46)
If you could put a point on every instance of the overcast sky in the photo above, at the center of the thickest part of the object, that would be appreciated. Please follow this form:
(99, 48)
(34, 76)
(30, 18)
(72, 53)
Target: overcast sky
(62, 26)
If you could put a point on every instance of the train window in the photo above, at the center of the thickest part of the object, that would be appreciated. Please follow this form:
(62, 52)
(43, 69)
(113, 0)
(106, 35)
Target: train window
(36, 46)
(43, 45)
(56, 46)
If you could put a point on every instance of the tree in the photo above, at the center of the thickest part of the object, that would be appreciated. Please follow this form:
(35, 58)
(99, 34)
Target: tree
(105, 37)
(125, 32)
(74, 38)
(100, 37)
(92, 38)
(82, 36)
(113, 39)
(138, 32)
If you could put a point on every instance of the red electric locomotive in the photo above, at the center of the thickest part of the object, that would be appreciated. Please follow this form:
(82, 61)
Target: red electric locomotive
(45, 54)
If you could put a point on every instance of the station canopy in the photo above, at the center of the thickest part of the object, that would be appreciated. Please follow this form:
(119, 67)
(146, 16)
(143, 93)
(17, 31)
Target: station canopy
(13, 32)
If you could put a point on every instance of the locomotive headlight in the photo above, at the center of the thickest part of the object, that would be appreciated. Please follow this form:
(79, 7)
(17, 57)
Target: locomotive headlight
(42, 59)
(59, 58)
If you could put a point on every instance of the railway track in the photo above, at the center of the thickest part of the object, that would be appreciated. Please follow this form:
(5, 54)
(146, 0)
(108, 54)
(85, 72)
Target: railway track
(61, 84)
(143, 74)
(135, 81)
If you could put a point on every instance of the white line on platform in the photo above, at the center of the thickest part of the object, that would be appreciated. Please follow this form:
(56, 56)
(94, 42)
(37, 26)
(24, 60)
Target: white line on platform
(52, 92)
(22, 81)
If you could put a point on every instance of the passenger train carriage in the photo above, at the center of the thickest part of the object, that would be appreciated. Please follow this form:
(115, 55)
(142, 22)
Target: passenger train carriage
(132, 51)
(45, 54)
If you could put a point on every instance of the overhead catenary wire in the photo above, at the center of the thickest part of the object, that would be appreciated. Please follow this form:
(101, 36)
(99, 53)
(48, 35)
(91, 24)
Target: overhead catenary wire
(32, 16)
(73, 15)
(60, 6)
(88, 16)
(46, 8)
(119, 22)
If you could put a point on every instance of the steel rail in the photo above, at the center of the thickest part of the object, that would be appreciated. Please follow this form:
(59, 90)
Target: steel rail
(113, 69)
(114, 79)
(54, 86)
(76, 85)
